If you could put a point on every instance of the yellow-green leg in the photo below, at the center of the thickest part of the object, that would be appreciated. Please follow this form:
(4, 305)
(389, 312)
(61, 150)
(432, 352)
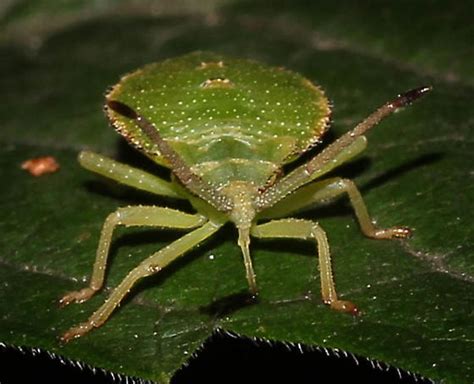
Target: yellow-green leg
(308, 230)
(327, 190)
(149, 216)
(128, 175)
(151, 265)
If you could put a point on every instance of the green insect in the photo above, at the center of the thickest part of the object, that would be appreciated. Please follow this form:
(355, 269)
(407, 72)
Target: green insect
(225, 127)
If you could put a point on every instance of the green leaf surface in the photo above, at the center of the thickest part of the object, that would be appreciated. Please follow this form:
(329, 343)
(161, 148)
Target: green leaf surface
(416, 296)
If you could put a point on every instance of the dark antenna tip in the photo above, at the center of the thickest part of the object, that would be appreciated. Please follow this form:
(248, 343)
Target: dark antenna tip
(122, 109)
(410, 96)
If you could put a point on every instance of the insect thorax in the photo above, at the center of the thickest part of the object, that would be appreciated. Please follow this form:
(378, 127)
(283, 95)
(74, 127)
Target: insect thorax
(242, 195)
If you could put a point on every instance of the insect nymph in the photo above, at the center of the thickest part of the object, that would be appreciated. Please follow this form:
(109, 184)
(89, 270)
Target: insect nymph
(225, 128)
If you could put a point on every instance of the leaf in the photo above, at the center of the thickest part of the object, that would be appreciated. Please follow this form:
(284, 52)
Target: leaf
(416, 295)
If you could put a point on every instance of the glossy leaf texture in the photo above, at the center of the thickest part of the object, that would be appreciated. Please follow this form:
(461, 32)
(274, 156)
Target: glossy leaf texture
(416, 296)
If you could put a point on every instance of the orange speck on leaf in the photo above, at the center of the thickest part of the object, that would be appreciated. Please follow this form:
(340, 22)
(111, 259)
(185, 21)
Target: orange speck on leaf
(39, 166)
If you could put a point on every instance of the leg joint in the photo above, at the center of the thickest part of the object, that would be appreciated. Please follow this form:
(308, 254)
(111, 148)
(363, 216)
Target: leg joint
(346, 184)
(317, 232)
(115, 218)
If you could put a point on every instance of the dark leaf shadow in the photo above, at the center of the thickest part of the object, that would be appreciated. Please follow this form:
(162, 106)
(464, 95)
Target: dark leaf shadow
(227, 305)
(238, 358)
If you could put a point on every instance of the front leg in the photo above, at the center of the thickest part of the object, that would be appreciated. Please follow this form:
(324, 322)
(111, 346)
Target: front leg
(330, 189)
(148, 216)
(306, 229)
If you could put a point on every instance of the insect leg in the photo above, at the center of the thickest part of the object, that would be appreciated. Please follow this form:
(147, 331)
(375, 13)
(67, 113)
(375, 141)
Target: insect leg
(340, 186)
(306, 229)
(330, 189)
(149, 266)
(125, 174)
(148, 216)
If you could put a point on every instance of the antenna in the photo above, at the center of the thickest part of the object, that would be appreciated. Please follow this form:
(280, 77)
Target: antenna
(183, 172)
